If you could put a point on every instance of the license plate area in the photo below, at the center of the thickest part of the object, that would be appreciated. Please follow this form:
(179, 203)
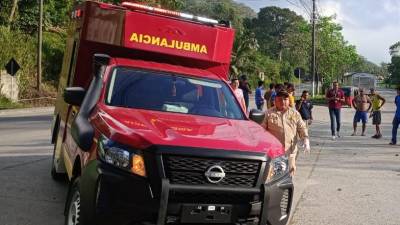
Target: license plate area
(205, 213)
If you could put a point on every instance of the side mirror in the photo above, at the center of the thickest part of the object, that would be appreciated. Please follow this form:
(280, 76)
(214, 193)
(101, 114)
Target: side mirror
(74, 95)
(257, 115)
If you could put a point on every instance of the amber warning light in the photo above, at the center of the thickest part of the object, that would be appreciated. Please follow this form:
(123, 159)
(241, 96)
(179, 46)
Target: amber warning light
(136, 6)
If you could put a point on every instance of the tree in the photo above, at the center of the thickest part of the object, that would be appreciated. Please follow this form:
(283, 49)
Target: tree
(395, 49)
(394, 70)
(334, 54)
(227, 10)
(244, 47)
(273, 28)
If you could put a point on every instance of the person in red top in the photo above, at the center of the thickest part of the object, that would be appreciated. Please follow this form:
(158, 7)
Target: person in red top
(335, 98)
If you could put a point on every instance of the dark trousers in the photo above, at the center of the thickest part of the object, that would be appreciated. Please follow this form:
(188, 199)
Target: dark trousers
(260, 106)
(334, 114)
(396, 122)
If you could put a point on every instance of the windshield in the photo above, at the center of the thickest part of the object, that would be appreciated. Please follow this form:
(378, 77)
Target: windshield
(167, 92)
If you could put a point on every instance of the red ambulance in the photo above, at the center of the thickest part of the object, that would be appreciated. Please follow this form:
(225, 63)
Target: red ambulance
(148, 131)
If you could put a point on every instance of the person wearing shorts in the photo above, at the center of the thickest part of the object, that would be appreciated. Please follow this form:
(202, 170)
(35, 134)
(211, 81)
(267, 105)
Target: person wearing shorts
(362, 103)
(377, 102)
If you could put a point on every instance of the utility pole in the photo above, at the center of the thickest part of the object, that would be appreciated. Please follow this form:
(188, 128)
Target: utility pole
(39, 52)
(313, 50)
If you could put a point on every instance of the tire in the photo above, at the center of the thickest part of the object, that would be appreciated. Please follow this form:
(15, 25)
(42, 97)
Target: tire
(73, 206)
(54, 174)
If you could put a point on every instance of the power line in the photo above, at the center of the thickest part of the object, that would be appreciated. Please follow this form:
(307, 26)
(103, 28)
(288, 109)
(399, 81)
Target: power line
(306, 7)
(301, 5)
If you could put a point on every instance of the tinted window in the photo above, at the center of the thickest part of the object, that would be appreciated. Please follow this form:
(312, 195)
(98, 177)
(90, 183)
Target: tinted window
(150, 90)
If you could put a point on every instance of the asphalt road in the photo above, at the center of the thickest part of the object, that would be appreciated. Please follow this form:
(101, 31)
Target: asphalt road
(28, 195)
(353, 180)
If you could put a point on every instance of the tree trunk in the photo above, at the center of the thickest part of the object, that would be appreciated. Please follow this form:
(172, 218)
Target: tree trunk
(11, 18)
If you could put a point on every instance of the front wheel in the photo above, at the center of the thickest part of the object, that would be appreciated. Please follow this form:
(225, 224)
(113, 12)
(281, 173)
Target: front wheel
(73, 213)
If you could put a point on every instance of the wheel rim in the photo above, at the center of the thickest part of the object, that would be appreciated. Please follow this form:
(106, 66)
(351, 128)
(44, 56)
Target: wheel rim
(74, 209)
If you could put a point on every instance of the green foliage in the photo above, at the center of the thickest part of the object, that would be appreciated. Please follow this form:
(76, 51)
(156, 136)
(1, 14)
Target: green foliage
(273, 28)
(394, 69)
(227, 10)
(167, 4)
(53, 52)
(318, 100)
(23, 48)
(394, 46)
(334, 54)
(5, 103)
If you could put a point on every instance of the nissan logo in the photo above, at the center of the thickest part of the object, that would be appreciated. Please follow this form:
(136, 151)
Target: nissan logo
(215, 174)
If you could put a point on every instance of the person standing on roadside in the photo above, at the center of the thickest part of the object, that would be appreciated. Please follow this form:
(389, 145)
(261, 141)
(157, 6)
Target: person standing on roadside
(377, 102)
(304, 106)
(290, 90)
(238, 93)
(259, 95)
(362, 103)
(269, 96)
(396, 119)
(335, 98)
(286, 124)
(245, 86)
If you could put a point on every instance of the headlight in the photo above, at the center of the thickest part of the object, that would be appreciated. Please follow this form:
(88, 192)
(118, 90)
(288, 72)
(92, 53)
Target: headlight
(120, 156)
(278, 167)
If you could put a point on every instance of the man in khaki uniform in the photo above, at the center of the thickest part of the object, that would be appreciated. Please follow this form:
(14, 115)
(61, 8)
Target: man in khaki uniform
(286, 124)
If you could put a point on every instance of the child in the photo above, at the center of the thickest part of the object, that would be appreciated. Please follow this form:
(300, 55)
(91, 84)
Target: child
(304, 106)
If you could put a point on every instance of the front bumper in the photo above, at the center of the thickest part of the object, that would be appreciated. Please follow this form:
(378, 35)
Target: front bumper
(123, 198)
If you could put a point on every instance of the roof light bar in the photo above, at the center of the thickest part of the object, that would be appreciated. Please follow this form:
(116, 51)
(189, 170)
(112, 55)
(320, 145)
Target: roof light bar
(168, 12)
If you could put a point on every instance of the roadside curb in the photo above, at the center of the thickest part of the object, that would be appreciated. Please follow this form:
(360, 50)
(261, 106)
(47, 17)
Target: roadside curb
(7, 112)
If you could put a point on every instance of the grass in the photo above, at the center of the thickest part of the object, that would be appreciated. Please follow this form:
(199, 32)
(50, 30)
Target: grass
(318, 100)
(6, 103)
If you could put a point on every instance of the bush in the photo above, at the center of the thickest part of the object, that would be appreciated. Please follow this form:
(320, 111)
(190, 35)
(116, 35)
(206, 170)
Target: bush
(53, 52)
(5, 103)
(22, 48)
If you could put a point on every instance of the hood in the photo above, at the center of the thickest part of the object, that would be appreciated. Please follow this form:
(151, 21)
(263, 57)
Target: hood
(143, 128)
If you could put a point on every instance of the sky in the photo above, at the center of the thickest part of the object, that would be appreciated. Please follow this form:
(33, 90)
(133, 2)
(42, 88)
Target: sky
(371, 25)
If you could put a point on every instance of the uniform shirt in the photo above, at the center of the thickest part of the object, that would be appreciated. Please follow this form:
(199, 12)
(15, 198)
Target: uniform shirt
(334, 104)
(286, 127)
